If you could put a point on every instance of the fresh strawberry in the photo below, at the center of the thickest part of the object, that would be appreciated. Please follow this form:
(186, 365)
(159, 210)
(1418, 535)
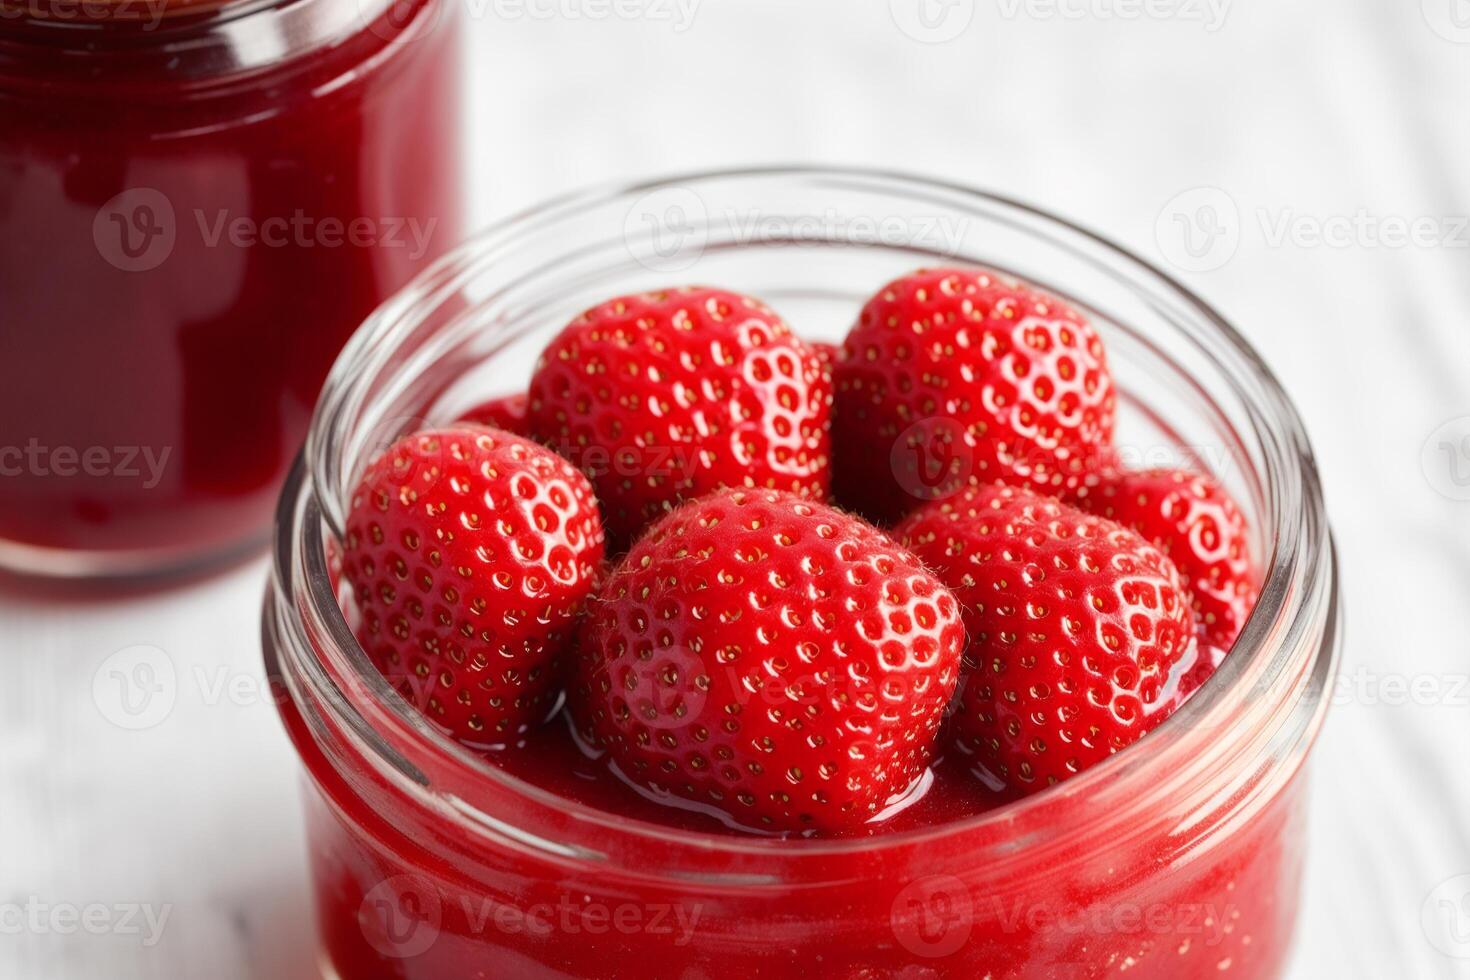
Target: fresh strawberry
(471, 553)
(506, 413)
(959, 376)
(1074, 624)
(827, 355)
(771, 658)
(1102, 468)
(665, 396)
(1191, 518)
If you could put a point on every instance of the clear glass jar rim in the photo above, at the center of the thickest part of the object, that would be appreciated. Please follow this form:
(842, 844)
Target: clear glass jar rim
(1300, 579)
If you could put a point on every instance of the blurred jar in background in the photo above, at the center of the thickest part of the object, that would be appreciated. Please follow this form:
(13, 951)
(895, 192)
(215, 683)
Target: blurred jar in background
(199, 202)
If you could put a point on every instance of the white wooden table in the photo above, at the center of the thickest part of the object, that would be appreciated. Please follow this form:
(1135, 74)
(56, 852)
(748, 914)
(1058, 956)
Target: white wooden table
(1327, 131)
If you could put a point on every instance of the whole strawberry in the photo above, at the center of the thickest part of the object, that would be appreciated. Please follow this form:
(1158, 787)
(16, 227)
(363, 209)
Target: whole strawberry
(957, 376)
(1191, 518)
(770, 658)
(471, 553)
(506, 413)
(665, 396)
(1074, 624)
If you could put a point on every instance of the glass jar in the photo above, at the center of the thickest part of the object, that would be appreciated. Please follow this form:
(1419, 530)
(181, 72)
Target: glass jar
(199, 202)
(1179, 857)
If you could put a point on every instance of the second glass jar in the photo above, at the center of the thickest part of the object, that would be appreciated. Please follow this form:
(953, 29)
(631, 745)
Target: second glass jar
(200, 203)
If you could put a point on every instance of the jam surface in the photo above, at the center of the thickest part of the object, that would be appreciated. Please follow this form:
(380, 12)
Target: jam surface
(553, 759)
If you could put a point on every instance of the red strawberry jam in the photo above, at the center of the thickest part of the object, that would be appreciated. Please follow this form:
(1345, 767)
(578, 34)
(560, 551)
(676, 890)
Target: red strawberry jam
(194, 217)
(400, 896)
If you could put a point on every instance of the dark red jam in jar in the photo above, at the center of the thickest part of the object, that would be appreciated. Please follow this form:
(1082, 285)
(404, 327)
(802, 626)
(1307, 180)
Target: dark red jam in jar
(198, 204)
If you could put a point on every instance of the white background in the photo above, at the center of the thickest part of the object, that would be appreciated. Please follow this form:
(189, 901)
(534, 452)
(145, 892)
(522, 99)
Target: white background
(1296, 112)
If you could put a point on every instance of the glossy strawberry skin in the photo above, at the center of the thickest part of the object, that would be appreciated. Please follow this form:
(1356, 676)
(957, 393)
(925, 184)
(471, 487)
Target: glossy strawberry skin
(956, 376)
(772, 659)
(663, 397)
(1190, 518)
(827, 355)
(471, 553)
(1074, 623)
(506, 413)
